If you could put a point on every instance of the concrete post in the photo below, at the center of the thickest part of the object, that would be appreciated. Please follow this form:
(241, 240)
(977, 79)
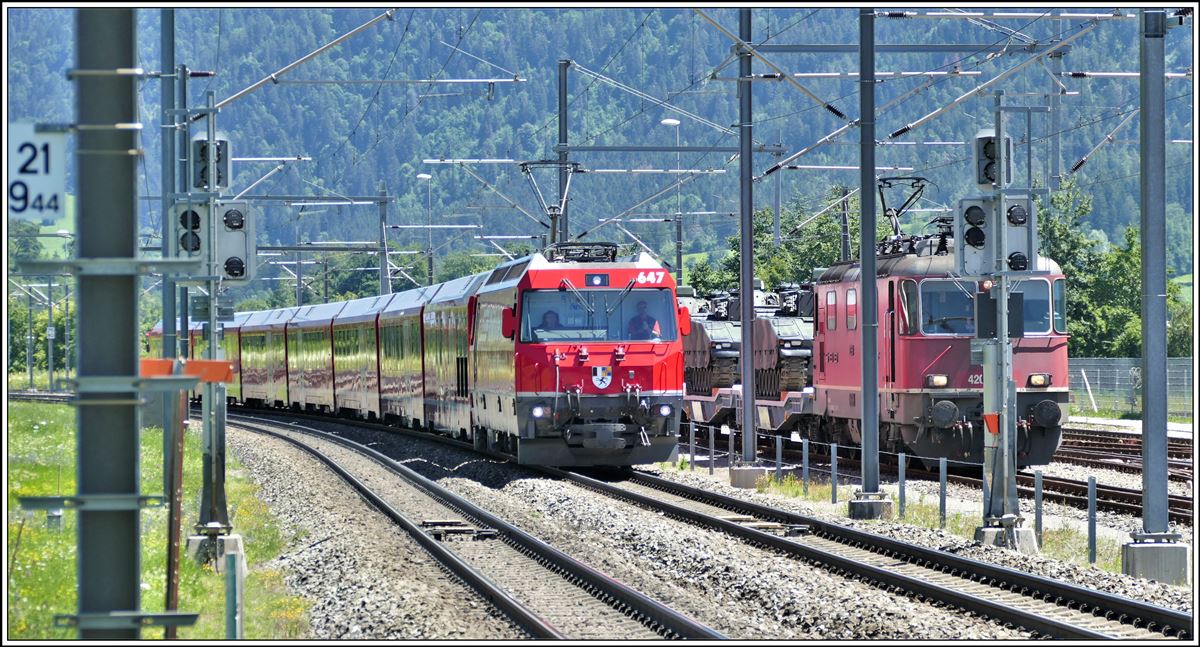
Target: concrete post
(49, 327)
(1156, 551)
(385, 277)
(563, 155)
(170, 320)
(108, 548)
(746, 279)
(869, 502)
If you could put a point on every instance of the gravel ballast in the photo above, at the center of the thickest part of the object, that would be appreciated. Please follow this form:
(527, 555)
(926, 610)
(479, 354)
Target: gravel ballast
(1173, 597)
(365, 577)
(742, 591)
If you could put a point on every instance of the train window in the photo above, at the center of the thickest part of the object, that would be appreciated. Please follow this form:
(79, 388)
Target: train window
(947, 307)
(831, 310)
(908, 307)
(1060, 305)
(851, 309)
(1037, 304)
(598, 315)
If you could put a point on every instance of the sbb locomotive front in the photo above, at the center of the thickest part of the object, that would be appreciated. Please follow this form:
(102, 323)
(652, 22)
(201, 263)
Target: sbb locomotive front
(571, 357)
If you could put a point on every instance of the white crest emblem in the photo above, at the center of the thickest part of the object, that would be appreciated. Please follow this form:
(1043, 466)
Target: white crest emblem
(602, 376)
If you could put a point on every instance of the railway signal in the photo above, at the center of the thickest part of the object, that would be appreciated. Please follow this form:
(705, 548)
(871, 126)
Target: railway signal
(200, 164)
(1020, 226)
(236, 248)
(193, 220)
(985, 160)
(972, 241)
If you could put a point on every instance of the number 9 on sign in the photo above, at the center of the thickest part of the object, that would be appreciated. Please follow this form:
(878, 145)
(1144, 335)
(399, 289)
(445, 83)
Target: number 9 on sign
(37, 178)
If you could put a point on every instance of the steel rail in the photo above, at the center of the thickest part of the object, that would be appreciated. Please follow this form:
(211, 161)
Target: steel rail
(920, 587)
(652, 612)
(489, 590)
(1035, 586)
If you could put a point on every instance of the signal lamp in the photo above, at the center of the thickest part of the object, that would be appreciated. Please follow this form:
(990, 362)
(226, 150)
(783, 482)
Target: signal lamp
(538, 411)
(1017, 215)
(664, 410)
(1018, 262)
(235, 267)
(975, 215)
(985, 285)
(189, 242)
(975, 237)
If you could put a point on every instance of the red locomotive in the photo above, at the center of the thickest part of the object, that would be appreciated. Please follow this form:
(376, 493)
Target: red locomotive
(808, 373)
(571, 357)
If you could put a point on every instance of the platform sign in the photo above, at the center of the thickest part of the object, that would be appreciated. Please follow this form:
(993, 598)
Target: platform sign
(50, 333)
(37, 172)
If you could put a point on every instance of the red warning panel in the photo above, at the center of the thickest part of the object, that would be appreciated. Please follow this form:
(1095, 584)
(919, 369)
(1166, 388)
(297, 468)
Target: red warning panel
(208, 370)
(992, 422)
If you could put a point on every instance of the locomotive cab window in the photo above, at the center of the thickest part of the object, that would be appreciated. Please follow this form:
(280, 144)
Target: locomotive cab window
(1060, 306)
(1037, 304)
(598, 315)
(947, 307)
(908, 307)
(831, 310)
(851, 309)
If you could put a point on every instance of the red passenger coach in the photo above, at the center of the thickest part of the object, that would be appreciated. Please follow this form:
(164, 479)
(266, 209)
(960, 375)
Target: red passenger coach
(310, 357)
(356, 357)
(263, 370)
(574, 357)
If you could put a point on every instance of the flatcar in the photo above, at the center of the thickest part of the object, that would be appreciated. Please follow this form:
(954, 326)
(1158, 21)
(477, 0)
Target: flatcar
(570, 357)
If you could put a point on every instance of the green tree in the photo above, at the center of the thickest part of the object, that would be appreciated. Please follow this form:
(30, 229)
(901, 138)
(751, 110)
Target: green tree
(22, 244)
(462, 263)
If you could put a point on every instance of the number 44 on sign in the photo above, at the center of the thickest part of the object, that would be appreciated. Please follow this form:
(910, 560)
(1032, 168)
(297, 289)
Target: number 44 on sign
(37, 172)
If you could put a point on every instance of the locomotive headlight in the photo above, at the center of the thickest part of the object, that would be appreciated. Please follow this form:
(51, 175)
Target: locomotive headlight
(538, 411)
(936, 381)
(1039, 379)
(665, 410)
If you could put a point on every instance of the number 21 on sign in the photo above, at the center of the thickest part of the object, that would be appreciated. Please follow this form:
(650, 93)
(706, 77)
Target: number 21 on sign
(37, 175)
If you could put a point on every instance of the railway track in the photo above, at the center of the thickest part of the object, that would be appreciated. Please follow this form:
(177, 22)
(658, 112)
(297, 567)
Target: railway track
(1058, 490)
(1177, 470)
(1063, 491)
(1040, 605)
(548, 593)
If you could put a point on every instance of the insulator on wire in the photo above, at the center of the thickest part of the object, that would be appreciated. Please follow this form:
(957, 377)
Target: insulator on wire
(835, 111)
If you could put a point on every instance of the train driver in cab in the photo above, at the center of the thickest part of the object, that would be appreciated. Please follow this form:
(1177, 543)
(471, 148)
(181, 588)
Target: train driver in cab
(643, 325)
(549, 321)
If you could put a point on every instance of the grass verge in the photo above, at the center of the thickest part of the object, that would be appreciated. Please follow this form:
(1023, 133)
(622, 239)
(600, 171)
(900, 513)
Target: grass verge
(41, 561)
(1063, 543)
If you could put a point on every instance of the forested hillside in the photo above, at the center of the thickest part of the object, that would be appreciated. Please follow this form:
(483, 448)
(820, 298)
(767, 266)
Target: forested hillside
(363, 136)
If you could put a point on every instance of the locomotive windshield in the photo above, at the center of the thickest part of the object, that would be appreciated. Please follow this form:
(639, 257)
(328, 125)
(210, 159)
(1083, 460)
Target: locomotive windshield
(1037, 304)
(947, 307)
(598, 315)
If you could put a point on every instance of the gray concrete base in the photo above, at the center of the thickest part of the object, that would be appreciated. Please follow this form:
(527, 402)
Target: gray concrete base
(746, 477)
(1159, 561)
(231, 544)
(1024, 540)
(870, 508)
(201, 548)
